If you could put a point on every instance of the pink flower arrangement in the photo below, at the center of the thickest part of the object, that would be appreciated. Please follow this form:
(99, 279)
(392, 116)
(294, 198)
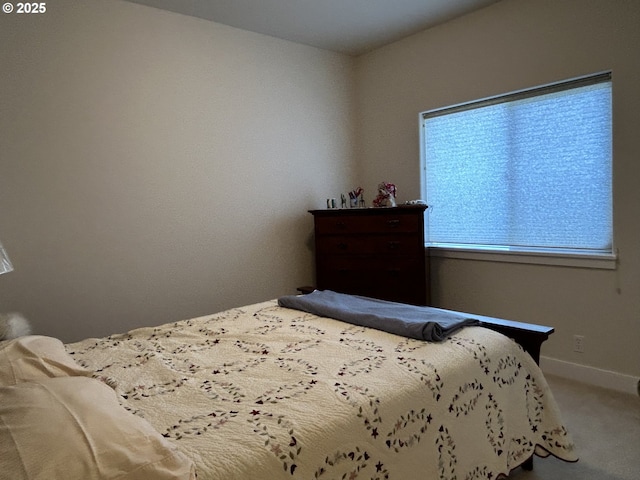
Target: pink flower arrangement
(386, 195)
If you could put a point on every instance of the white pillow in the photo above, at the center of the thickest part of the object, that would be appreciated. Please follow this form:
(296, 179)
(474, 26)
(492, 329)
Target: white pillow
(36, 357)
(73, 428)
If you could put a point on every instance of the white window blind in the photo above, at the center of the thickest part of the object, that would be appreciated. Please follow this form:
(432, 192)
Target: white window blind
(529, 170)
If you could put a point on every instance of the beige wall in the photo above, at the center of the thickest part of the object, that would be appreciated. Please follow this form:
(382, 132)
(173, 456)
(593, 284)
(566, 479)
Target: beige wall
(511, 45)
(155, 166)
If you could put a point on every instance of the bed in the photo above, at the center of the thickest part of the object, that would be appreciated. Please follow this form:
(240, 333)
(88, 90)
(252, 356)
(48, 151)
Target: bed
(269, 392)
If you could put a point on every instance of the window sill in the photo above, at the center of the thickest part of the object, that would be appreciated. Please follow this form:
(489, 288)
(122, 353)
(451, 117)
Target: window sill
(579, 260)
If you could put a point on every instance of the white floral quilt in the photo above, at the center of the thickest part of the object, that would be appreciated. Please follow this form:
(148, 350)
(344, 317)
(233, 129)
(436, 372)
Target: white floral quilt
(269, 393)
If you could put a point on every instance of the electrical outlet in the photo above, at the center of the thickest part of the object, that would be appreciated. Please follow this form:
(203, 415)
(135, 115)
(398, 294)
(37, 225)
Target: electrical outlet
(578, 343)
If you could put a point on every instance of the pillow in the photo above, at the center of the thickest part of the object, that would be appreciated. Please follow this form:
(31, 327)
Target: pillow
(74, 428)
(35, 357)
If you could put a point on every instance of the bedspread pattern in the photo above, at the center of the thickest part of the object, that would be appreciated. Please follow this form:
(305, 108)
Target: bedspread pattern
(267, 392)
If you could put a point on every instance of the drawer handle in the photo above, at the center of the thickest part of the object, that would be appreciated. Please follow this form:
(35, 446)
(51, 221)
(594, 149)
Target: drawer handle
(343, 246)
(393, 223)
(393, 245)
(341, 225)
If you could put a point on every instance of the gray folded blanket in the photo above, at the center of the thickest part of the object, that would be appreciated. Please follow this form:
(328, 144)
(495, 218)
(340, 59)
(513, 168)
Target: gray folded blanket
(422, 323)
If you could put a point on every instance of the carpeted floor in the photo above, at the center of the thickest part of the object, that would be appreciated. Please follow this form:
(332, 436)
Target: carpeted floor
(605, 426)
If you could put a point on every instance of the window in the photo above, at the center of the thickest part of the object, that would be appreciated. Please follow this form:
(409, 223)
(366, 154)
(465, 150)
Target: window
(528, 171)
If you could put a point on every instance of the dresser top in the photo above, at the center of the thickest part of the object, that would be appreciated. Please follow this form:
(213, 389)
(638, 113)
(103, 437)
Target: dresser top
(402, 209)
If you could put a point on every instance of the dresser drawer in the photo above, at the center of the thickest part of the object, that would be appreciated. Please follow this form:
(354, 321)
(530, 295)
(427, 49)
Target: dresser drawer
(354, 224)
(397, 280)
(398, 244)
(368, 269)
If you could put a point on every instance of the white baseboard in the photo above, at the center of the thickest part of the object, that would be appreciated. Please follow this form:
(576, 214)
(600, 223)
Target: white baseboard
(591, 375)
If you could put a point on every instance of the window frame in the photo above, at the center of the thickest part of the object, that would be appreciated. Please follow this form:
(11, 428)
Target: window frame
(511, 254)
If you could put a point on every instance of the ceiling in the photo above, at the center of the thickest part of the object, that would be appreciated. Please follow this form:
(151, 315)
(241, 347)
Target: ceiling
(347, 26)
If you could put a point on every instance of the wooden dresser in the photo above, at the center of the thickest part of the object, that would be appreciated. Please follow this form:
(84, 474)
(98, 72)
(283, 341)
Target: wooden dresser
(375, 252)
